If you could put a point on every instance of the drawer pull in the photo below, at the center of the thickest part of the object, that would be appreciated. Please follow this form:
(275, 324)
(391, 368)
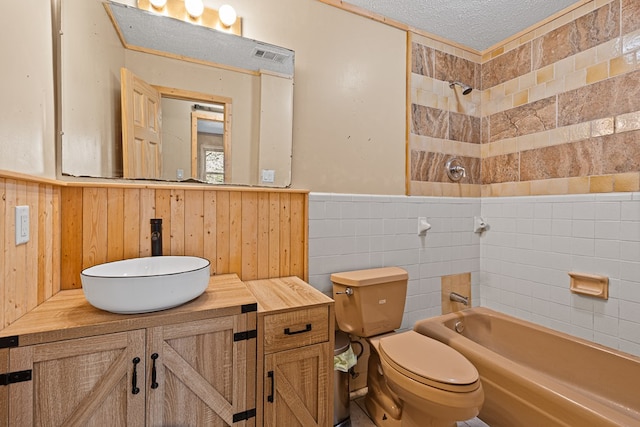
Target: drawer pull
(134, 378)
(288, 331)
(154, 376)
(273, 385)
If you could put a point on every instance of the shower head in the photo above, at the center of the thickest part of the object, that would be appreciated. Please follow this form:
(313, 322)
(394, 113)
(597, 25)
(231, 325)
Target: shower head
(466, 89)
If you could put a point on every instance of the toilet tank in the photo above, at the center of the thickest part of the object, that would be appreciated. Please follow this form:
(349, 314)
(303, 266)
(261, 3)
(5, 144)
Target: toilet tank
(376, 304)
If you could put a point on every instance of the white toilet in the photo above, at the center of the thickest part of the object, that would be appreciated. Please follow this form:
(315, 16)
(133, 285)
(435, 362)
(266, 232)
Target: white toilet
(412, 380)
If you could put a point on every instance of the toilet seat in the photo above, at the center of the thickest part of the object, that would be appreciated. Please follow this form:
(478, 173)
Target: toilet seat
(429, 362)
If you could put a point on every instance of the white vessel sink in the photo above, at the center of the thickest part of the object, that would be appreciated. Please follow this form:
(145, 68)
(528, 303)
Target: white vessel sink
(142, 285)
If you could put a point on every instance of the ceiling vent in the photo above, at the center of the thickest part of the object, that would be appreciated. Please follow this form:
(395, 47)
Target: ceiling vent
(269, 55)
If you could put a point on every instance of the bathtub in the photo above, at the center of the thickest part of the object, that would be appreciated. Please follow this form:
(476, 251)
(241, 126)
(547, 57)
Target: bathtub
(534, 376)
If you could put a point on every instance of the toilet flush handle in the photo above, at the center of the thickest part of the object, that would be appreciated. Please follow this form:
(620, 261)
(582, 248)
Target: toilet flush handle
(347, 292)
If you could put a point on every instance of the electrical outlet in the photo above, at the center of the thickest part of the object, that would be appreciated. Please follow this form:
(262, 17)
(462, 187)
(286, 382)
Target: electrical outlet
(179, 174)
(22, 224)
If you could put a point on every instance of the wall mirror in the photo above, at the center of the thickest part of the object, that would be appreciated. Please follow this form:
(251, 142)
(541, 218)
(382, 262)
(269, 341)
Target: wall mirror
(236, 102)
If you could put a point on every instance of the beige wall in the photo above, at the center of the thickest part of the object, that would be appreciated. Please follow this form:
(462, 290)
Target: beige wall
(27, 122)
(176, 138)
(349, 95)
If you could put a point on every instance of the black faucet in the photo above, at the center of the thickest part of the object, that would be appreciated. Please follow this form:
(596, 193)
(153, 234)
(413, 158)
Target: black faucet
(156, 237)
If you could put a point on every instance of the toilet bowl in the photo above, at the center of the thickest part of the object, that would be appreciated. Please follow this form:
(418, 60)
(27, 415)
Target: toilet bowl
(436, 385)
(412, 380)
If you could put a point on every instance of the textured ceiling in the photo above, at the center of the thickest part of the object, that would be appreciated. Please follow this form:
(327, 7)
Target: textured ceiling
(478, 24)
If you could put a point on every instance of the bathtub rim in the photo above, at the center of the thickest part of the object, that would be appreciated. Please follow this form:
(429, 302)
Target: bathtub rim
(545, 389)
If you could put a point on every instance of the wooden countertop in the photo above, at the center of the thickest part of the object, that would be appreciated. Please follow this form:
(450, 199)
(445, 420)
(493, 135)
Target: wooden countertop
(285, 293)
(68, 315)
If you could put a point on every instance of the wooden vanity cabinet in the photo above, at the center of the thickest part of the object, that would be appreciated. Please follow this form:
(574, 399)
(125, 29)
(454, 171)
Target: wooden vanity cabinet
(295, 342)
(193, 365)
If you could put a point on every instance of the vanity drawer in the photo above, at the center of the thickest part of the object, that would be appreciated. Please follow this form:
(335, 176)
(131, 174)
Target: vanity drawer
(296, 328)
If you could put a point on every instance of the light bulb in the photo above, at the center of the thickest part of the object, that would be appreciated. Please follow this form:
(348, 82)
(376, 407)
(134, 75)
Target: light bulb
(158, 4)
(227, 15)
(194, 8)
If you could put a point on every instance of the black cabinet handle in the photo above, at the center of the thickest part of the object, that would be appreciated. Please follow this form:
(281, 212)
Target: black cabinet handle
(134, 379)
(154, 383)
(273, 384)
(288, 331)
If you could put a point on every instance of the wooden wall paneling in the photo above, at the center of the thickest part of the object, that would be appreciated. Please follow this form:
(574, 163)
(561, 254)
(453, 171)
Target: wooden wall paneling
(3, 252)
(235, 233)
(163, 212)
(222, 232)
(177, 222)
(56, 251)
(20, 264)
(94, 226)
(262, 256)
(194, 222)
(10, 255)
(147, 211)
(131, 223)
(30, 285)
(249, 233)
(274, 235)
(285, 234)
(209, 231)
(256, 234)
(298, 235)
(115, 224)
(46, 224)
(71, 237)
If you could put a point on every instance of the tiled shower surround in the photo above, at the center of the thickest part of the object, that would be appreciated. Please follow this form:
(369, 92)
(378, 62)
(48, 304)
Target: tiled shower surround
(519, 266)
(556, 111)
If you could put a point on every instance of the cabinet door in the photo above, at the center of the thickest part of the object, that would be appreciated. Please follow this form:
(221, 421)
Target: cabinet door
(203, 376)
(84, 381)
(296, 387)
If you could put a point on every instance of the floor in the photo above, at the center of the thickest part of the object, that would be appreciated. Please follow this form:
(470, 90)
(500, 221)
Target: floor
(359, 417)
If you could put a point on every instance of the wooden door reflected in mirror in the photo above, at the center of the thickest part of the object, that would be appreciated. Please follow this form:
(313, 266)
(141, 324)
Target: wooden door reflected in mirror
(141, 132)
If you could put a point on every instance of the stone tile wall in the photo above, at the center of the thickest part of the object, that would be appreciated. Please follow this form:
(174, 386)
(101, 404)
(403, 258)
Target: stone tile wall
(444, 123)
(558, 112)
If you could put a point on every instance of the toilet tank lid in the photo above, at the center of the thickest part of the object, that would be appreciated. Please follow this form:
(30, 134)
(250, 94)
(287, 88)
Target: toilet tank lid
(372, 276)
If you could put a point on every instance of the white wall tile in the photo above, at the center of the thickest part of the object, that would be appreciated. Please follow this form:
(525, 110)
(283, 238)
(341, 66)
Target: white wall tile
(598, 234)
(519, 266)
(348, 232)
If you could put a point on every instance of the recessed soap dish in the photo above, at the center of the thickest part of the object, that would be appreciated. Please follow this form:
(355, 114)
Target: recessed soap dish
(590, 285)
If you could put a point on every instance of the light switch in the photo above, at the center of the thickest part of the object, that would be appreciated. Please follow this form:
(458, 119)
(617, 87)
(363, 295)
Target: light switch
(22, 224)
(268, 175)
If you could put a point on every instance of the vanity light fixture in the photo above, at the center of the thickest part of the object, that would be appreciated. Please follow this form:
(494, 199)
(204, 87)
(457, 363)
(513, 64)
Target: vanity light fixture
(194, 8)
(227, 15)
(195, 12)
(158, 4)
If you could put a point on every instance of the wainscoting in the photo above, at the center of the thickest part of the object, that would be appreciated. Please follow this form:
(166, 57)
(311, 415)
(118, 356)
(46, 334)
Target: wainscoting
(256, 233)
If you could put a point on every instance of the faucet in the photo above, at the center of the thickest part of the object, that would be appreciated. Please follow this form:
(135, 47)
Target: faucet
(459, 298)
(156, 237)
(455, 170)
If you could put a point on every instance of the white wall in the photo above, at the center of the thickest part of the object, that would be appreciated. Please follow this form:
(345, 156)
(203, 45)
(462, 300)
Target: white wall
(352, 232)
(535, 241)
